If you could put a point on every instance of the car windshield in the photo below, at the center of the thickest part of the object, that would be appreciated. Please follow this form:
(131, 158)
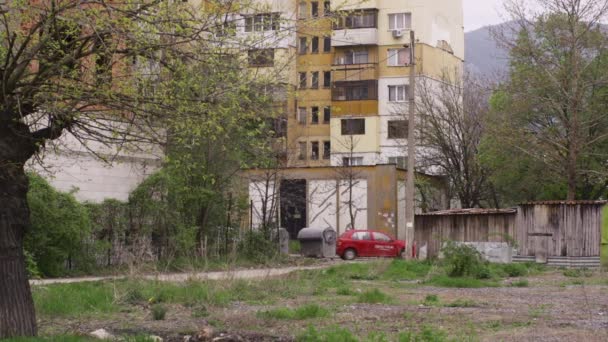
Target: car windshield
(382, 237)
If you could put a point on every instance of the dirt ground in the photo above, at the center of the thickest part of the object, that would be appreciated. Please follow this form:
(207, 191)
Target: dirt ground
(552, 307)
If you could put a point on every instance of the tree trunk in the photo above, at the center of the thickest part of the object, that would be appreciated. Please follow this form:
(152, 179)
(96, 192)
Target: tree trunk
(17, 315)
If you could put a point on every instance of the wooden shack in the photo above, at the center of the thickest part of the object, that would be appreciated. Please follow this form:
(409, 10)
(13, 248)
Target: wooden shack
(560, 233)
(464, 225)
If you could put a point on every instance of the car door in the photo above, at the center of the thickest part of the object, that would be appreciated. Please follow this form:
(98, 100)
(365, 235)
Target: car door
(364, 243)
(383, 245)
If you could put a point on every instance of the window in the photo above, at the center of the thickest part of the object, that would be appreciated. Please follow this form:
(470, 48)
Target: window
(354, 90)
(399, 21)
(352, 126)
(398, 57)
(326, 79)
(314, 9)
(315, 80)
(382, 237)
(261, 57)
(262, 22)
(314, 151)
(314, 119)
(302, 154)
(401, 162)
(354, 57)
(359, 19)
(326, 44)
(326, 8)
(354, 161)
(315, 45)
(361, 236)
(303, 48)
(302, 115)
(397, 93)
(302, 80)
(397, 129)
(326, 114)
(226, 28)
(326, 149)
(302, 10)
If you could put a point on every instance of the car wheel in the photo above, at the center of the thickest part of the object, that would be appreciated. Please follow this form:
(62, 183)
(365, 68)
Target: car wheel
(402, 254)
(349, 254)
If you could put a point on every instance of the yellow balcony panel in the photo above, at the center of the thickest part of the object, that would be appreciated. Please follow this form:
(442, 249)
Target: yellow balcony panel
(355, 108)
(354, 72)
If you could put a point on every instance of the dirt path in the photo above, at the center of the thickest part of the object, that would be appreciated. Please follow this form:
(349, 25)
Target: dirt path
(181, 277)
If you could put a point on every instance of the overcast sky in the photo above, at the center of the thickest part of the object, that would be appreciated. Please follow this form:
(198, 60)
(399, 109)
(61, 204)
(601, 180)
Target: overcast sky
(478, 13)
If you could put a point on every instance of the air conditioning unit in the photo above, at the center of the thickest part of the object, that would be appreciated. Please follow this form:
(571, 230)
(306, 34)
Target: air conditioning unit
(397, 33)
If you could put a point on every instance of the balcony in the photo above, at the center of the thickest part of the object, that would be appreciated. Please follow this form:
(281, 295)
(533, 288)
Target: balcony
(356, 28)
(354, 72)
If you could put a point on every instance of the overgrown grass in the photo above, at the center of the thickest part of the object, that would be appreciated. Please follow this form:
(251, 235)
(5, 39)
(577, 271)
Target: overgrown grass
(374, 296)
(77, 299)
(57, 338)
(308, 311)
(462, 303)
(461, 282)
(521, 283)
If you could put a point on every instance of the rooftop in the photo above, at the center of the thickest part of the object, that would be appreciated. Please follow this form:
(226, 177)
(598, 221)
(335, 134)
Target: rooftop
(471, 211)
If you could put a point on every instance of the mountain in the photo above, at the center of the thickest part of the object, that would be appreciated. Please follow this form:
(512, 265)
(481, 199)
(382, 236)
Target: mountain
(482, 54)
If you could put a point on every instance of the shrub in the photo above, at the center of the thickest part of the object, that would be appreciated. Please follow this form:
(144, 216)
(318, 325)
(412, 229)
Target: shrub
(515, 270)
(373, 296)
(431, 299)
(159, 312)
(461, 260)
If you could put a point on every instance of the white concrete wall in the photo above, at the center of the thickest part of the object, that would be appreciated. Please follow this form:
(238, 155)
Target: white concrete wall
(260, 192)
(323, 207)
(359, 204)
(362, 36)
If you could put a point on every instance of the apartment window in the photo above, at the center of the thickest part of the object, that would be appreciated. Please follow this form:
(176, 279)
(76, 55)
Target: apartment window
(326, 114)
(326, 8)
(354, 57)
(226, 28)
(302, 115)
(401, 162)
(326, 79)
(302, 49)
(315, 45)
(326, 149)
(354, 90)
(315, 80)
(352, 126)
(302, 147)
(326, 44)
(302, 80)
(314, 9)
(261, 57)
(352, 161)
(359, 19)
(398, 57)
(314, 150)
(397, 129)
(397, 93)
(302, 10)
(314, 119)
(399, 21)
(262, 22)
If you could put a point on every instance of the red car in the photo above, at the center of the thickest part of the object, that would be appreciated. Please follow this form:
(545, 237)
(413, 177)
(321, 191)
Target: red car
(368, 243)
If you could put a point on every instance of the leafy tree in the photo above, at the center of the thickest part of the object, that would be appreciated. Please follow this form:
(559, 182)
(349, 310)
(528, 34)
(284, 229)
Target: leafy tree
(548, 133)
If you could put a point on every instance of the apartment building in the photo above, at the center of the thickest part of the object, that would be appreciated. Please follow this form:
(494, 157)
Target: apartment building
(350, 110)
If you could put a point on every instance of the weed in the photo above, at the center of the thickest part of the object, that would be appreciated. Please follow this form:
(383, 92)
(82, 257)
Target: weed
(400, 269)
(333, 334)
(538, 311)
(515, 270)
(463, 282)
(159, 312)
(494, 325)
(577, 273)
(374, 296)
(345, 291)
(431, 299)
(76, 299)
(462, 303)
(57, 338)
(428, 334)
(521, 283)
(294, 246)
(461, 260)
(304, 312)
(200, 311)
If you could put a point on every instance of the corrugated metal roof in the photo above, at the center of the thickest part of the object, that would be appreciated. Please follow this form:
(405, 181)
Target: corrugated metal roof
(471, 211)
(566, 203)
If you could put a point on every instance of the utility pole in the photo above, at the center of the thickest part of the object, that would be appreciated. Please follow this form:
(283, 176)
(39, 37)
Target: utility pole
(410, 192)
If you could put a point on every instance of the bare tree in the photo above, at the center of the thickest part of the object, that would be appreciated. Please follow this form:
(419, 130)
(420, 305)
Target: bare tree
(452, 114)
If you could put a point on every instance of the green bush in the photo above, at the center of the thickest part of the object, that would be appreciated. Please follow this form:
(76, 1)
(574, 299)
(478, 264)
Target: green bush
(58, 240)
(334, 334)
(258, 247)
(521, 283)
(431, 299)
(515, 270)
(461, 260)
(159, 312)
